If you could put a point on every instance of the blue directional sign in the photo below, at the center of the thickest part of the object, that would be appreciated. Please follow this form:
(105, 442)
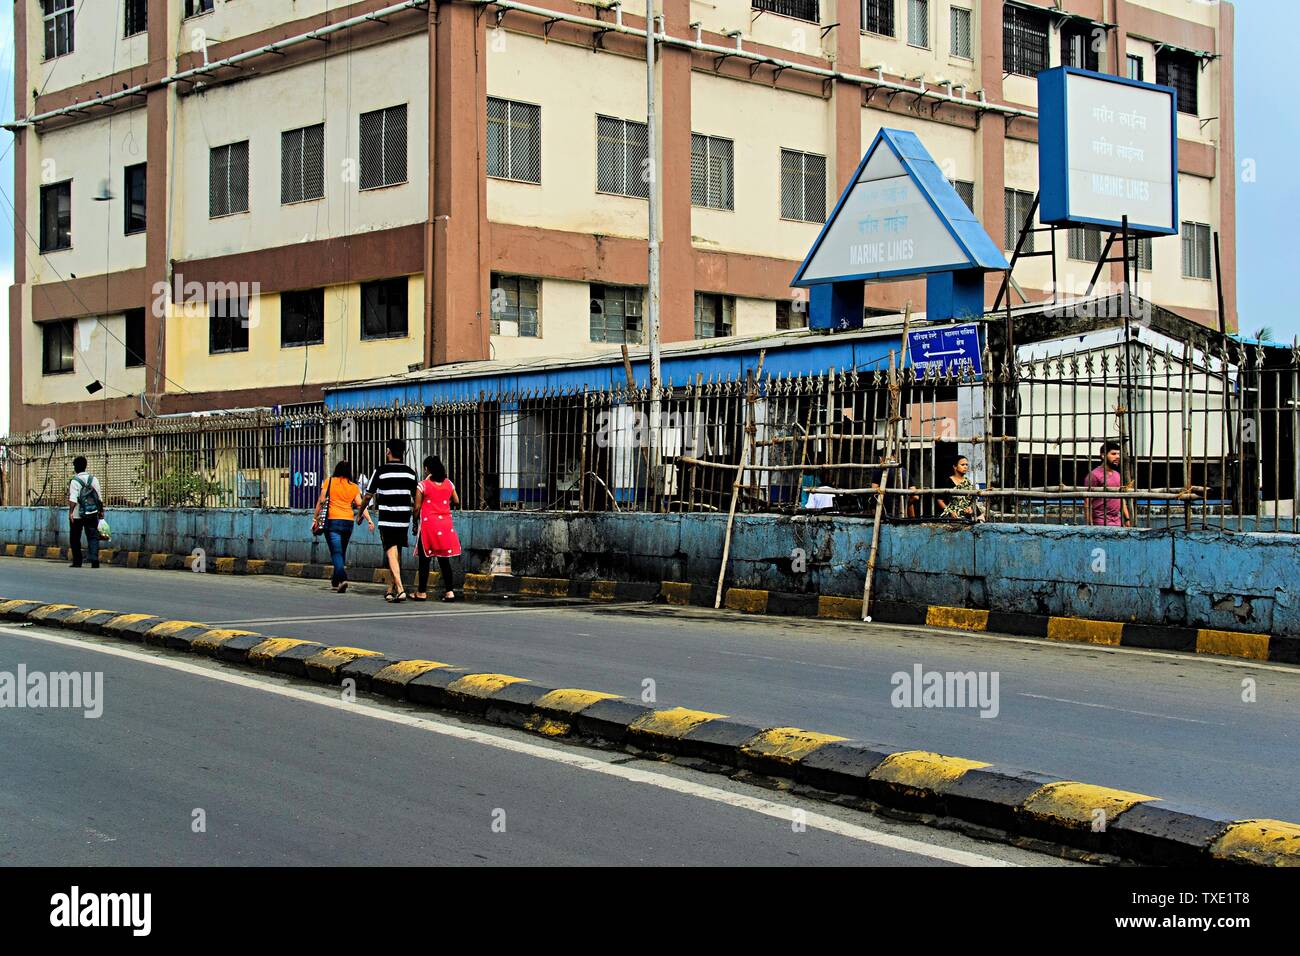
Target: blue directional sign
(948, 349)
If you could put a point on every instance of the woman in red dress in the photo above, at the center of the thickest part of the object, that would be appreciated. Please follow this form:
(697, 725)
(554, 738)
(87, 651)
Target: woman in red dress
(437, 538)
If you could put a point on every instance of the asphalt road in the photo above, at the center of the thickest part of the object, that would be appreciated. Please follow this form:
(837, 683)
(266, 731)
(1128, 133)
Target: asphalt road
(1173, 726)
(193, 762)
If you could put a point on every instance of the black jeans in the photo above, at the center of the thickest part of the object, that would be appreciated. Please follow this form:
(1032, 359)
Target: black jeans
(90, 526)
(444, 568)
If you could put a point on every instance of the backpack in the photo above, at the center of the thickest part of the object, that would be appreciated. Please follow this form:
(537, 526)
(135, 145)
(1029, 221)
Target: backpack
(88, 501)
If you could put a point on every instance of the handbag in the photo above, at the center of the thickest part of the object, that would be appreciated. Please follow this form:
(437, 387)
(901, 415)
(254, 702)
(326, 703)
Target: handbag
(318, 520)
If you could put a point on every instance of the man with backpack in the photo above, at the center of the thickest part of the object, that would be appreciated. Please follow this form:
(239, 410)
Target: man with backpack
(85, 510)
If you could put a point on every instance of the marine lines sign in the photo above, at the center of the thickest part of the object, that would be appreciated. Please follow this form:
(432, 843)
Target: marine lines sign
(1108, 148)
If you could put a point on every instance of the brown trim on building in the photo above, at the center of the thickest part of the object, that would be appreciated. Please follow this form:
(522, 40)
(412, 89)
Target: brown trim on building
(676, 254)
(157, 266)
(1146, 23)
(992, 137)
(19, 197)
(103, 86)
(89, 295)
(1227, 173)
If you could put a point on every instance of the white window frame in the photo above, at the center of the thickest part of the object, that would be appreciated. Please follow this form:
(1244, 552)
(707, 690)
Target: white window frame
(912, 6)
(970, 32)
(512, 161)
(726, 201)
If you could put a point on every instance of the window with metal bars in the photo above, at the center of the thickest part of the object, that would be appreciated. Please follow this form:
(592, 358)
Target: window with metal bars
(803, 186)
(1196, 250)
(798, 9)
(963, 44)
(1016, 210)
(791, 315)
(715, 315)
(1085, 244)
(383, 309)
(1024, 40)
(1144, 254)
(1079, 45)
(134, 321)
(135, 17)
(228, 180)
(302, 318)
(878, 17)
(1136, 67)
(622, 157)
(514, 140)
(302, 164)
(56, 347)
(195, 8)
(133, 209)
(712, 172)
(1181, 71)
(616, 313)
(515, 305)
(918, 23)
(60, 22)
(966, 191)
(383, 147)
(228, 324)
(56, 216)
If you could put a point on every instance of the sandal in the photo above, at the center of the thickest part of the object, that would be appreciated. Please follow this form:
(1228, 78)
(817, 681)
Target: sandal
(342, 587)
(419, 597)
(450, 596)
(389, 597)
(401, 596)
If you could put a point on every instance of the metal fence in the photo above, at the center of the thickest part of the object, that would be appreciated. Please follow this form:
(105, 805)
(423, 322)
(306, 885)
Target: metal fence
(1207, 433)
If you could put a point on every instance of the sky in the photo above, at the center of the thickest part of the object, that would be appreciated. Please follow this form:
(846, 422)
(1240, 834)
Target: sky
(1268, 189)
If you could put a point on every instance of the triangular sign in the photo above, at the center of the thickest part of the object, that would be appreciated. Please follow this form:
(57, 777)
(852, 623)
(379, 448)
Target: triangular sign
(898, 217)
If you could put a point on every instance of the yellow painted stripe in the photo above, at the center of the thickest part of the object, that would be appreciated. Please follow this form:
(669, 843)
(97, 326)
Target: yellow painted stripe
(923, 770)
(547, 587)
(477, 582)
(11, 550)
(8, 606)
(254, 565)
(224, 565)
(674, 722)
(167, 628)
(54, 553)
(157, 561)
(961, 618)
(676, 592)
(29, 551)
(1083, 631)
(273, 647)
(749, 600)
(332, 658)
(570, 700)
(132, 559)
(603, 590)
(839, 608)
(403, 672)
(1232, 644)
(1262, 842)
(787, 744)
(218, 636)
(1079, 804)
(41, 613)
(294, 569)
(548, 726)
(483, 685)
(122, 620)
(84, 614)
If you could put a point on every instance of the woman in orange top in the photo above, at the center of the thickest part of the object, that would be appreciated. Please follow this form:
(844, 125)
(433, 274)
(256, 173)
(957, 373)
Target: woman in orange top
(344, 498)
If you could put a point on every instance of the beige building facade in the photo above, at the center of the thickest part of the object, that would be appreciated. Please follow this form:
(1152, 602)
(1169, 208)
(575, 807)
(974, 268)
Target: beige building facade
(224, 204)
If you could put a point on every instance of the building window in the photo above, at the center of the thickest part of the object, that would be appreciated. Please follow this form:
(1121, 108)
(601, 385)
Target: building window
(383, 309)
(1017, 205)
(515, 305)
(56, 347)
(133, 208)
(966, 191)
(803, 186)
(134, 338)
(791, 315)
(383, 147)
(799, 9)
(1136, 68)
(622, 158)
(616, 313)
(1085, 244)
(302, 318)
(228, 324)
(135, 17)
(228, 180)
(715, 315)
(1196, 250)
(1181, 71)
(302, 164)
(56, 216)
(712, 172)
(962, 43)
(1143, 253)
(60, 20)
(1024, 40)
(918, 23)
(514, 140)
(878, 17)
(195, 8)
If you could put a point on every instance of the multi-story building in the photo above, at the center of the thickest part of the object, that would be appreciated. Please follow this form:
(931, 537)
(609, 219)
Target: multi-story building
(228, 204)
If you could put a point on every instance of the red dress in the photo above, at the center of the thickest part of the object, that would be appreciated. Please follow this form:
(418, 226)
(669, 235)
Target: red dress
(437, 534)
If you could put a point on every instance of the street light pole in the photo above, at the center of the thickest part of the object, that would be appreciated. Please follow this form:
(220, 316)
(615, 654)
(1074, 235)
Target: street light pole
(652, 306)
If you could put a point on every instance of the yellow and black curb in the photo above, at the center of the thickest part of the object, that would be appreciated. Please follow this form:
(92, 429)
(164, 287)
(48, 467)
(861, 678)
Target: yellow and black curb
(992, 801)
(1075, 630)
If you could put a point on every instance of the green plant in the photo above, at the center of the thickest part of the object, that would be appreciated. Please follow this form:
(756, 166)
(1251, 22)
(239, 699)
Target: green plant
(174, 482)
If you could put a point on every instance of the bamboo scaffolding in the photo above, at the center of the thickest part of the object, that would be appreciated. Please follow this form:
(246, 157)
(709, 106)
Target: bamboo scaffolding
(751, 398)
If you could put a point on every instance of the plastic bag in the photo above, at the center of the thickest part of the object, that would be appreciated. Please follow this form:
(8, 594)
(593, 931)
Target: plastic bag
(105, 532)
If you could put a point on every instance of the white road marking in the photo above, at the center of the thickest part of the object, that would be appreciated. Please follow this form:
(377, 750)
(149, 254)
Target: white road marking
(1140, 713)
(388, 615)
(572, 758)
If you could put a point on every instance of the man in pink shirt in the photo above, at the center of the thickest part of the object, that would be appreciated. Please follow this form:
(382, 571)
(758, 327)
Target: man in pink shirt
(1106, 511)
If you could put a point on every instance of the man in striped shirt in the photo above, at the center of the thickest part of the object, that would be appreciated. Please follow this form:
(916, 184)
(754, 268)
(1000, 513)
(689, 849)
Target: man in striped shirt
(392, 488)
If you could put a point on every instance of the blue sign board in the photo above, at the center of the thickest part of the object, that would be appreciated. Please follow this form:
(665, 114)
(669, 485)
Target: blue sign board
(947, 349)
(305, 466)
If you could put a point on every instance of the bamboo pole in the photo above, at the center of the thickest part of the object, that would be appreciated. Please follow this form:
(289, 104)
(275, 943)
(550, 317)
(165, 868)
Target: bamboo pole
(750, 398)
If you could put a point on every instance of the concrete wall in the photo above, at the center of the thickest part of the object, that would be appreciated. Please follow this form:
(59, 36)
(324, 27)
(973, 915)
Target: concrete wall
(1232, 581)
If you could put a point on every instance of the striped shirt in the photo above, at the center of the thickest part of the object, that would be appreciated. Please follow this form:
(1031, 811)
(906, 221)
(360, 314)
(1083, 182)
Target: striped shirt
(393, 485)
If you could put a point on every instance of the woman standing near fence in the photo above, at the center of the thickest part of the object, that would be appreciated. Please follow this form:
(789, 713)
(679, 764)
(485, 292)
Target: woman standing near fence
(437, 536)
(339, 499)
(960, 505)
